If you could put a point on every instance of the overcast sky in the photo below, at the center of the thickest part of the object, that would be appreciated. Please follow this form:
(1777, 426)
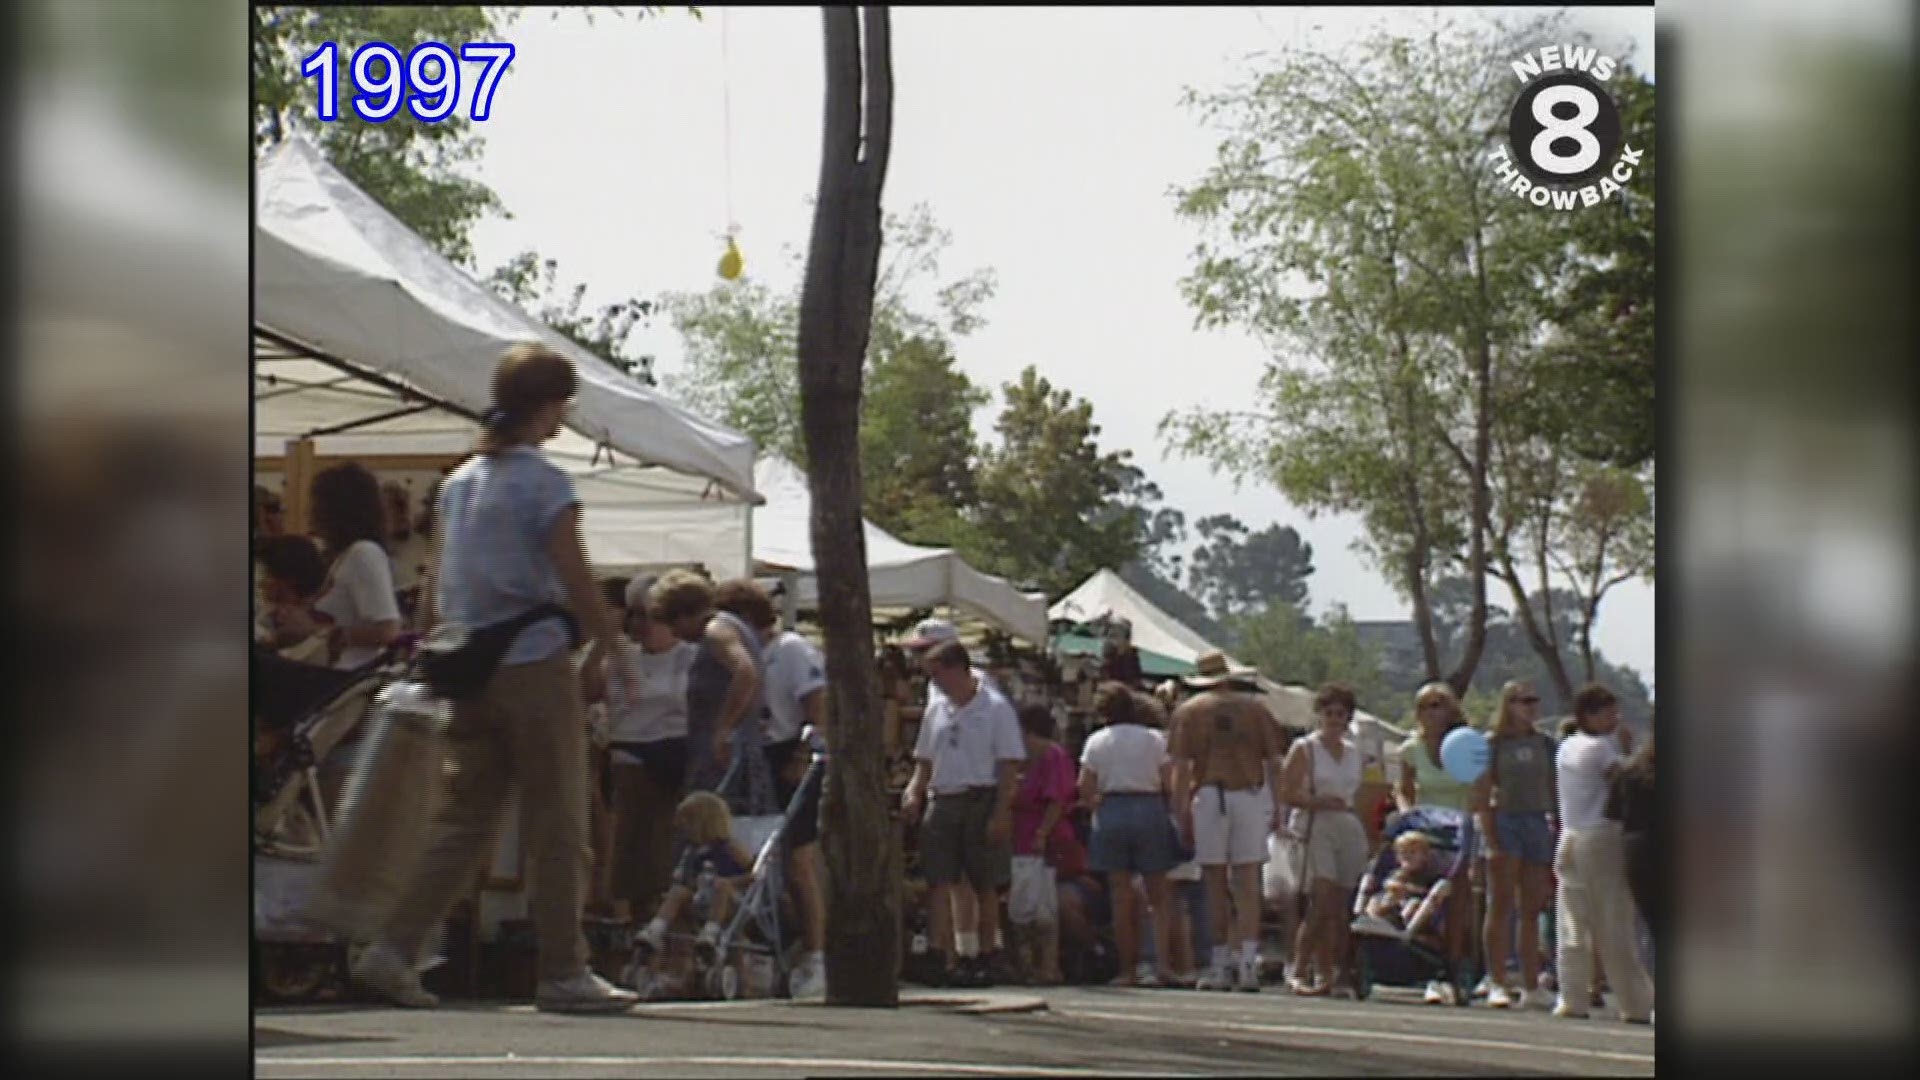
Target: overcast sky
(1045, 139)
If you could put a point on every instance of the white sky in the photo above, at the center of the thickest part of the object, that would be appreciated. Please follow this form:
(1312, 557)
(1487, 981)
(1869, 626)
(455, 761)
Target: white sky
(1045, 139)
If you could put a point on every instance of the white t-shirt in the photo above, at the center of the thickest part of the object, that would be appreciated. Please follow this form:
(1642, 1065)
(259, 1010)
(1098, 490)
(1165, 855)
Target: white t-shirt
(794, 669)
(359, 593)
(966, 743)
(934, 693)
(1582, 767)
(661, 710)
(1127, 758)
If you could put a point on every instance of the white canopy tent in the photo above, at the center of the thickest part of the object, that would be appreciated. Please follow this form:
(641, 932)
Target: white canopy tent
(898, 573)
(369, 344)
(1106, 595)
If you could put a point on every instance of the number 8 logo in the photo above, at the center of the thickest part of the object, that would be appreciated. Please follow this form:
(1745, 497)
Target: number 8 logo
(1553, 128)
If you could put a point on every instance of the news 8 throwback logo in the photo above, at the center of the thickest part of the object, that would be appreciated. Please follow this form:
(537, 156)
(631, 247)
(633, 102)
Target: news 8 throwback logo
(426, 80)
(1565, 147)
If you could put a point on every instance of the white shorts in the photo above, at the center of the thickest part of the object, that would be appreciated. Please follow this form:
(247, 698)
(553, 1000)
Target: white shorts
(1236, 835)
(1337, 849)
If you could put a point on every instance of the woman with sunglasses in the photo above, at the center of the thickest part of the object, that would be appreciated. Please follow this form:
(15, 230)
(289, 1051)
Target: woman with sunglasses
(1514, 804)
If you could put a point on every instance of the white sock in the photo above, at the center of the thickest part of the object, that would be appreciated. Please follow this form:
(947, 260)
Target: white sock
(999, 939)
(967, 945)
(1249, 952)
(712, 929)
(1220, 956)
(657, 926)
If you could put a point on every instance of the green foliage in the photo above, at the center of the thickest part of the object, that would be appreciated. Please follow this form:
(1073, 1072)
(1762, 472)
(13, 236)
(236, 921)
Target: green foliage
(742, 364)
(417, 170)
(1236, 571)
(916, 442)
(1289, 646)
(1350, 222)
(1046, 487)
(533, 284)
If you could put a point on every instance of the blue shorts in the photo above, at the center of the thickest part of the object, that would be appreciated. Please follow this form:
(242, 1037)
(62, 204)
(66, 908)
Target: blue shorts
(1527, 836)
(1132, 835)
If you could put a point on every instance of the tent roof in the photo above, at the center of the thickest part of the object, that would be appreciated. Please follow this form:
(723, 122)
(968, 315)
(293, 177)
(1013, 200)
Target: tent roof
(898, 573)
(1106, 594)
(366, 319)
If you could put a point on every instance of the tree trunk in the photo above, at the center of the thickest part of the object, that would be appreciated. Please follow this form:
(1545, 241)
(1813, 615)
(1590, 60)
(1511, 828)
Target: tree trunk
(1544, 645)
(1480, 501)
(862, 849)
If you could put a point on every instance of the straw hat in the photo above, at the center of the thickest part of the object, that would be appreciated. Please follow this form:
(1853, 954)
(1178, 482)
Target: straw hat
(1212, 670)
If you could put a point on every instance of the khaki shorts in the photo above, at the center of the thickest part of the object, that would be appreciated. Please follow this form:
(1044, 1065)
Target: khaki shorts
(1337, 849)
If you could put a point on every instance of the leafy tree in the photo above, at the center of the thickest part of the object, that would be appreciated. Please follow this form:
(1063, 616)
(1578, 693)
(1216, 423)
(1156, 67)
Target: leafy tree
(1236, 571)
(741, 339)
(1352, 223)
(1288, 646)
(1602, 389)
(532, 283)
(917, 444)
(417, 170)
(1046, 491)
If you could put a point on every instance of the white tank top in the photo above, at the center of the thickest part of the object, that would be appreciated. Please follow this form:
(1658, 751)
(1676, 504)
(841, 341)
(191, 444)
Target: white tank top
(1330, 777)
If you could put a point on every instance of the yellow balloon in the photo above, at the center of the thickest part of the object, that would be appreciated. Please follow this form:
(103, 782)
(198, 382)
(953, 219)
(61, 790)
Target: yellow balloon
(732, 263)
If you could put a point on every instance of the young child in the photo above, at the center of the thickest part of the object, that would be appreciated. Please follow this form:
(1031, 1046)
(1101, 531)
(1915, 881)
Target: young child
(292, 574)
(705, 827)
(1407, 886)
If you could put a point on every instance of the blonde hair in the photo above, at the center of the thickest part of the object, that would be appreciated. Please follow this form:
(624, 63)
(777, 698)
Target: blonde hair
(678, 594)
(1439, 691)
(1502, 714)
(1409, 840)
(703, 818)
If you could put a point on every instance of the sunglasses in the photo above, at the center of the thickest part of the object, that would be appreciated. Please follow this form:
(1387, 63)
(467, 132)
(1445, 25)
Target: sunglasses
(1528, 700)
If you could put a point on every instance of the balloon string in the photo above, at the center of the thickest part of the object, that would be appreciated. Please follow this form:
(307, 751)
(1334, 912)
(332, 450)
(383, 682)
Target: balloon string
(726, 119)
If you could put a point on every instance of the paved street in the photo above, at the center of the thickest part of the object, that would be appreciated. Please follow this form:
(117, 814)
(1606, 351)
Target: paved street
(1075, 1031)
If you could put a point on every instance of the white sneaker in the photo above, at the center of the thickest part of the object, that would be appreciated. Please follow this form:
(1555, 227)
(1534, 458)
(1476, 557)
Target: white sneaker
(382, 969)
(1565, 1011)
(1249, 981)
(1536, 999)
(1484, 987)
(583, 993)
(1216, 978)
(652, 937)
(1437, 993)
(809, 980)
(1497, 998)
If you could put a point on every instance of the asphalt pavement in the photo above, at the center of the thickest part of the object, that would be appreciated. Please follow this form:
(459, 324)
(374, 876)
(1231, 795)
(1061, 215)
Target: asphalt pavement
(1069, 1031)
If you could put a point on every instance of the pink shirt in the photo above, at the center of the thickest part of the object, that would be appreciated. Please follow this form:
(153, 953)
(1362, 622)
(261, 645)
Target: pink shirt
(1052, 779)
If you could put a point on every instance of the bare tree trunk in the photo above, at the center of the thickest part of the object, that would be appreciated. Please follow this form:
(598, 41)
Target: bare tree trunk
(862, 849)
(1480, 501)
(1541, 639)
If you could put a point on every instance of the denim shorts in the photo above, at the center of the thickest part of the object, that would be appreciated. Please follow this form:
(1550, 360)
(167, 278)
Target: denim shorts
(1527, 836)
(1132, 835)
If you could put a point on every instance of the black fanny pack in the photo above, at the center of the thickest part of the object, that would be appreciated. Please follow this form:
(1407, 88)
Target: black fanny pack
(458, 661)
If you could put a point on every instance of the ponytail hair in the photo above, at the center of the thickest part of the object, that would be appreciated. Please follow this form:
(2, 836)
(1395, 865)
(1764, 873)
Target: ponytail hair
(529, 377)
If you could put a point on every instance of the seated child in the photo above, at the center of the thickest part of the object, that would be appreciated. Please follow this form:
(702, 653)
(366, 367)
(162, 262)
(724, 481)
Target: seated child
(1407, 886)
(292, 574)
(705, 827)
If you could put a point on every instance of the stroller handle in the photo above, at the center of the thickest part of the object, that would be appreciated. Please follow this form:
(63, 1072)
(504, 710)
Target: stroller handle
(814, 739)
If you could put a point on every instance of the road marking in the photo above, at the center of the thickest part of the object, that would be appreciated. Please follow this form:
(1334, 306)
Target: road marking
(948, 1068)
(1363, 1034)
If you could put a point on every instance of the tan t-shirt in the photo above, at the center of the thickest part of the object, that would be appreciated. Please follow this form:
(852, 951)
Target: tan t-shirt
(1229, 737)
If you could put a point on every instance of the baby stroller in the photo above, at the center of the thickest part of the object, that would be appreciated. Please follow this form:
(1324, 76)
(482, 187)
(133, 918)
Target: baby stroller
(318, 709)
(1385, 955)
(760, 927)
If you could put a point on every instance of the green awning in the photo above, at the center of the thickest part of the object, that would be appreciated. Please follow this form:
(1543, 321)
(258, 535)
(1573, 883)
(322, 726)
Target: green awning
(1152, 664)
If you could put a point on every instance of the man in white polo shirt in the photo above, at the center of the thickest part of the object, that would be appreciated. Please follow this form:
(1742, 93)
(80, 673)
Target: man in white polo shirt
(968, 755)
(927, 634)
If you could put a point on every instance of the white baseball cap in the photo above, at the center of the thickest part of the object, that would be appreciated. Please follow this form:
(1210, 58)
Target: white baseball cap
(931, 632)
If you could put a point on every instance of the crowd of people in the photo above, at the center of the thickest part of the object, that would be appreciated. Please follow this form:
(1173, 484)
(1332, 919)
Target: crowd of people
(621, 708)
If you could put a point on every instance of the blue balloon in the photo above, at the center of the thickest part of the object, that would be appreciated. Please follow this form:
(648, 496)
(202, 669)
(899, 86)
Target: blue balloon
(1464, 753)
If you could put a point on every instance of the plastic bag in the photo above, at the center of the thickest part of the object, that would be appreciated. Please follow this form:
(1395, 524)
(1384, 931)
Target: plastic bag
(1034, 896)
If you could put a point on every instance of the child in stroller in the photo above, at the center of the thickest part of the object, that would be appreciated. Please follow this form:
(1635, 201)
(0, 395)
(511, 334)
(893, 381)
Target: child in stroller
(1406, 900)
(1396, 906)
(712, 872)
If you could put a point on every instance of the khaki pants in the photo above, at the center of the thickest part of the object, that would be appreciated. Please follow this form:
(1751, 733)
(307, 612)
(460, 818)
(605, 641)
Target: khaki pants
(526, 730)
(1596, 916)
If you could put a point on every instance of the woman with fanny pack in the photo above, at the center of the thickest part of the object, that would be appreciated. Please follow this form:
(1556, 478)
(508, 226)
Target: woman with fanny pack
(509, 562)
(647, 740)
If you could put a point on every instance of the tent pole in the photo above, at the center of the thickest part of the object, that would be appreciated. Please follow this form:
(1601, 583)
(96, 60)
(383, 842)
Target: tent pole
(299, 484)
